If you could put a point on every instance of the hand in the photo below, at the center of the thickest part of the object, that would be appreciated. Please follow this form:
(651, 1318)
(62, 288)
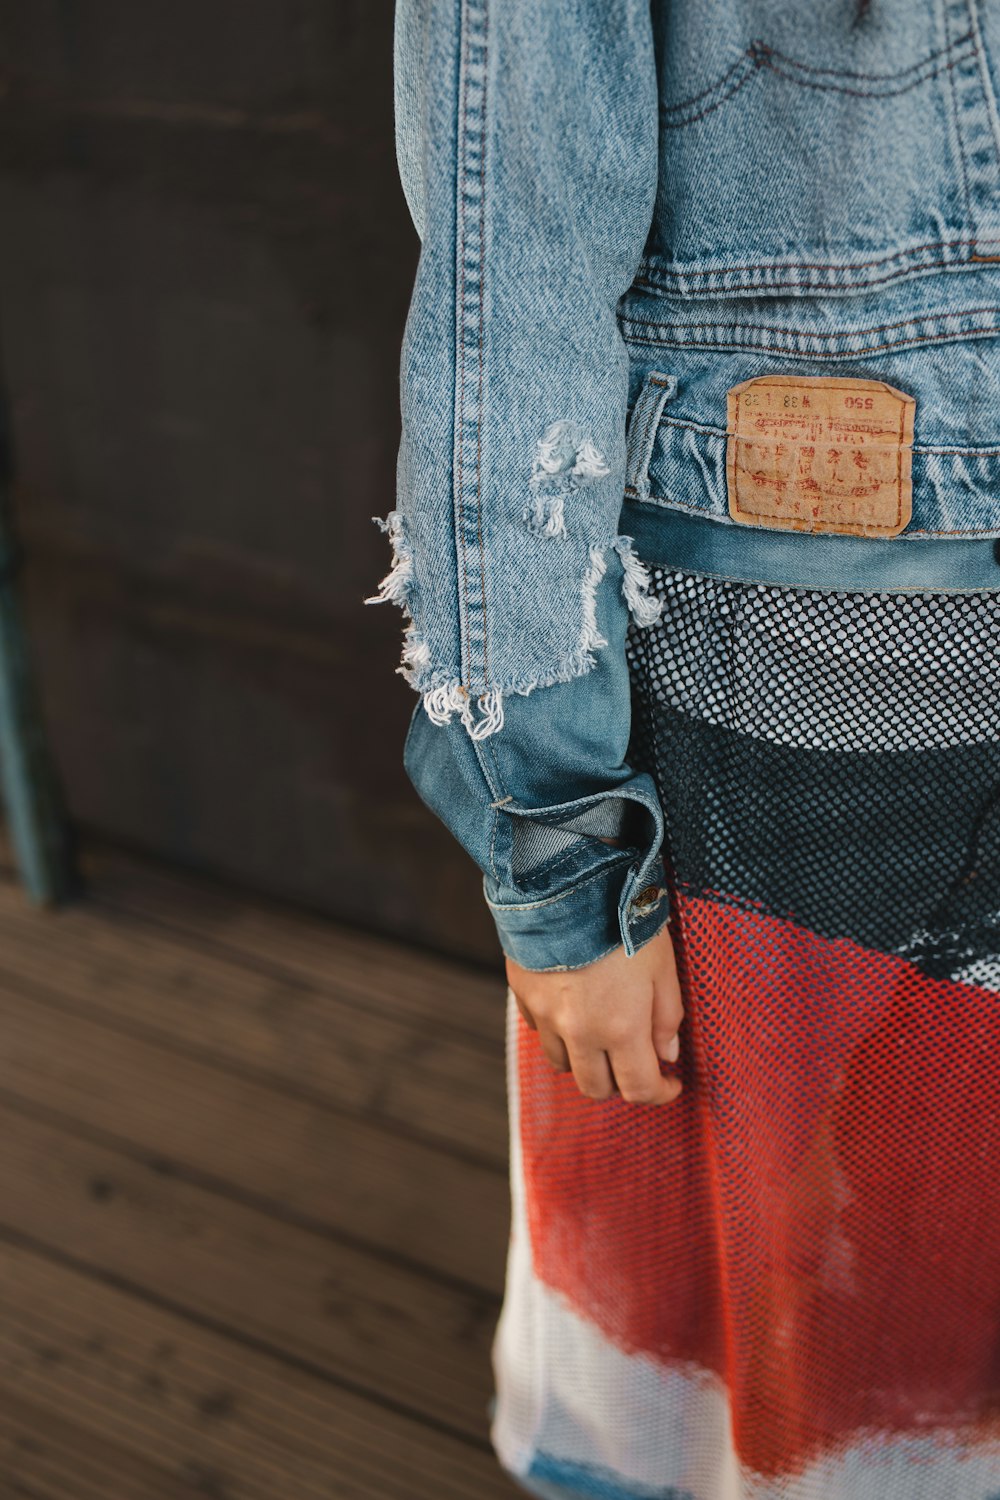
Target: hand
(610, 1022)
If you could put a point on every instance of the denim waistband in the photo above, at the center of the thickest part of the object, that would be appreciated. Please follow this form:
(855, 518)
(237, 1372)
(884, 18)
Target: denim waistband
(799, 559)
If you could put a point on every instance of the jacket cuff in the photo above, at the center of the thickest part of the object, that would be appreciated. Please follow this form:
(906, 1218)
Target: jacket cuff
(619, 905)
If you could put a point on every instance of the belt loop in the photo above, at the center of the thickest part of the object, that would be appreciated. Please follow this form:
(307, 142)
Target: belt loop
(657, 390)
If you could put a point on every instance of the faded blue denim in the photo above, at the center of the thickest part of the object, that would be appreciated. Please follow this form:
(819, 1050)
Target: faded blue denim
(625, 209)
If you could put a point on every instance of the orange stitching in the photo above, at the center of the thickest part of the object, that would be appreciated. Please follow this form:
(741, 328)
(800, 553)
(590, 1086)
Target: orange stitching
(845, 333)
(958, 136)
(940, 338)
(992, 451)
(817, 265)
(461, 362)
(482, 280)
(701, 510)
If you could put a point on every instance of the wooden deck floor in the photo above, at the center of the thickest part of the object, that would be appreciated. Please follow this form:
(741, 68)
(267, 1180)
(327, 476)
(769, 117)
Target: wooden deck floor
(253, 1203)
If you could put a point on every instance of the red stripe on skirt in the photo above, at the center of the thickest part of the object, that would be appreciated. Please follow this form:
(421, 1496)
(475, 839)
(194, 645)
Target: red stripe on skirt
(817, 1220)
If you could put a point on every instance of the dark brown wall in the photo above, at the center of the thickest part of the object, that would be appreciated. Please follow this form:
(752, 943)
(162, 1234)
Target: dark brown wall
(205, 259)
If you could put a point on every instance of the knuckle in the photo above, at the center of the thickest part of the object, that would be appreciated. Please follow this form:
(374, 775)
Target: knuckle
(616, 1030)
(543, 1015)
(573, 1032)
(639, 1093)
(597, 1090)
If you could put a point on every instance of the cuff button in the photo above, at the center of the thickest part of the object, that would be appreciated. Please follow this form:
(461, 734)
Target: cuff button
(647, 900)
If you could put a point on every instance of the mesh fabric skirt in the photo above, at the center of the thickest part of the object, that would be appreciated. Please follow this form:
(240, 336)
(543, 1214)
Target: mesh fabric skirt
(786, 1284)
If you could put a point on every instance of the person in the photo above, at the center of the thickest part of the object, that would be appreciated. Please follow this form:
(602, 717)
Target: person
(697, 539)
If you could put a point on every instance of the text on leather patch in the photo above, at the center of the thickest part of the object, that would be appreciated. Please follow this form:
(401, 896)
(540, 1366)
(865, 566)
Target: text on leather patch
(818, 453)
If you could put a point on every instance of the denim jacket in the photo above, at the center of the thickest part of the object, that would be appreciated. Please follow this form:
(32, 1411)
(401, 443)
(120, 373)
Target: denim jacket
(640, 224)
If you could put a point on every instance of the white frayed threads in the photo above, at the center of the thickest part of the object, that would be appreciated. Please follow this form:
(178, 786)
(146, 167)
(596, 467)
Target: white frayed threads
(566, 448)
(490, 705)
(416, 654)
(590, 636)
(546, 515)
(590, 462)
(482, 714)
(397, 583)
(441, 702)
(566, 457)
(397, 588)
(644, 608)
(452, 698)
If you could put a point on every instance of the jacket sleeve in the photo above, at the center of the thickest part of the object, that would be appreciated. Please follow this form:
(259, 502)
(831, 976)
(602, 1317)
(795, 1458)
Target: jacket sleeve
(526, 138)
(527, 146)
(566, 834)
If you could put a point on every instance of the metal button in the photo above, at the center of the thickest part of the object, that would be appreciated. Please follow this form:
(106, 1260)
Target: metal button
(647, 900)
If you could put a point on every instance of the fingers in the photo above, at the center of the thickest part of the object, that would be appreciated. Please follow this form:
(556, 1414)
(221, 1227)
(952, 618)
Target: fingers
(632, 1069)
(555, 1049)
(590, 1068)
(525, 1012)
(591, 1071)
(551, 1042)
(612, 1023)
(668, 1012)
(637, 1071)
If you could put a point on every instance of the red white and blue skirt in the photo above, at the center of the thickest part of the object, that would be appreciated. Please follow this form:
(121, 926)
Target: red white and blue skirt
(786, 1285)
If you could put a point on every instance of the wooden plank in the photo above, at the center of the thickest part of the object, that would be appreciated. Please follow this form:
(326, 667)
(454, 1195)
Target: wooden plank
(43, 1456)
(371, 1325)
(329, 1168)
(382, 975)
(238, 1422)
(440, 1085)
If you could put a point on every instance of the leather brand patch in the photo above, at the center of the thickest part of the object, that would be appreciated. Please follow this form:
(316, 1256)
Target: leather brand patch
(817, 453)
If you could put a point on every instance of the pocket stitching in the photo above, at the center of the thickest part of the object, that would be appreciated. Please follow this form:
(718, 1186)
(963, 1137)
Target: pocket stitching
(759, 56)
